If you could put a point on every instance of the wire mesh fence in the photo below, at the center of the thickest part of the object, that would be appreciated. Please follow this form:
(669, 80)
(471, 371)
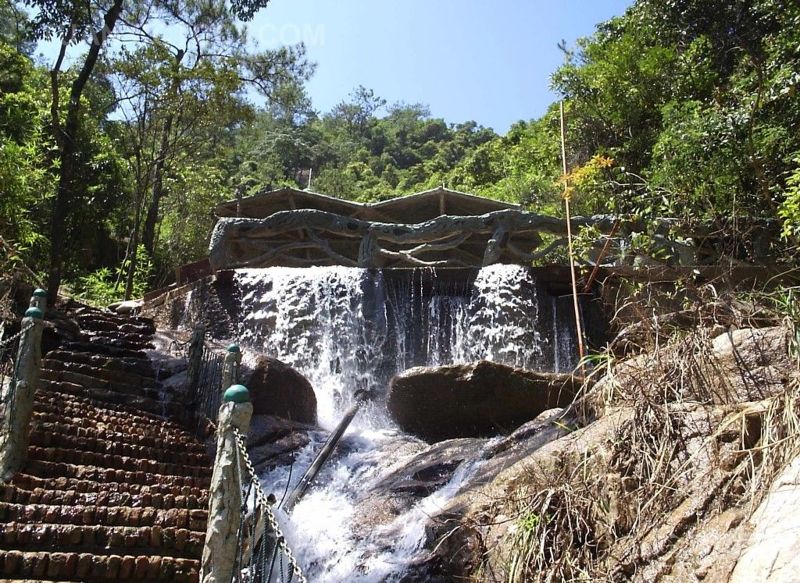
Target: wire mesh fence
(208, 395)
(9, 346)
(263, 555)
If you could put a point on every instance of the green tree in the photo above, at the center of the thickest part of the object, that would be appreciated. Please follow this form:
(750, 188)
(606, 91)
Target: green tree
(23, 178)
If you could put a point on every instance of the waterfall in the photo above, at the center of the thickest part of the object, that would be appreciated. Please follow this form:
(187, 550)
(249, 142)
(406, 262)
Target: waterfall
(350, 330)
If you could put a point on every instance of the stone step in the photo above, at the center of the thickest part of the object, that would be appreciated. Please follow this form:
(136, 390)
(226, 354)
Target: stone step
(104, 350)
(108, 325)
(63, 455)
(119, 490)
(64, 405)
(90, 408)
(95, 320)
(47, 437)
(103, 515)
(118, 333)
(112, 375)
(13, 494)
(116, 432)
(49, 469)
(156, 495)
(102, 417)
(140, 366)
(105, 396)
(57, 566)
(118, 340)
(89, 381)
(102, 540)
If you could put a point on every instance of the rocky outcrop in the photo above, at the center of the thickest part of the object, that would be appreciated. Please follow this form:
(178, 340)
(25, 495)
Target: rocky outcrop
(111, 489)
(474, 400)
(658, 488)
(213, 302)
(277, 389)
(711, 366)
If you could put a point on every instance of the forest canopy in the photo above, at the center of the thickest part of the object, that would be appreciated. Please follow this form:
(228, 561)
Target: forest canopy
(114, 152)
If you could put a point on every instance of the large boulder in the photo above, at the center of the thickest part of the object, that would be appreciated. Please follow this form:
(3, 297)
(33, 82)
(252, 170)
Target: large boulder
(277, 389)
(473, 400)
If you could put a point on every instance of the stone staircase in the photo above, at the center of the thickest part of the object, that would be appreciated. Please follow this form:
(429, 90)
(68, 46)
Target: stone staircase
(112, 490)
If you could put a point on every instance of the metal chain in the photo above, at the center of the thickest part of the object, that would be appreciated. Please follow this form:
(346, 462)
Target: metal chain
(262, 498)
(10, 339)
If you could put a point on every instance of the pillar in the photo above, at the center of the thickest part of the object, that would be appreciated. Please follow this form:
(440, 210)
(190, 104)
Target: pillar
(225, 496)
(15, 429)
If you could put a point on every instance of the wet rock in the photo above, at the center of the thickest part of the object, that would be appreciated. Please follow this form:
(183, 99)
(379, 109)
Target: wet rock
(429, 470)
(277, 389)
(473, 400)
(457, 553)
(274, 441)
(465, 465)
(127, 307)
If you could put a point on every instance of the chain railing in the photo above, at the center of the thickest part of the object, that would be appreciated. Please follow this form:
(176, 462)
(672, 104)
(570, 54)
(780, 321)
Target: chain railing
(261, 544)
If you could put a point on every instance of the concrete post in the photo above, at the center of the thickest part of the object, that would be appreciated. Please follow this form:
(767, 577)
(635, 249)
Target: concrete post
(232, 366)
(225, 496)
(18, 396)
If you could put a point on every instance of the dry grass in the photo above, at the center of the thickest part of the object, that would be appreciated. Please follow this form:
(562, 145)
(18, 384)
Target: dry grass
(557, 537)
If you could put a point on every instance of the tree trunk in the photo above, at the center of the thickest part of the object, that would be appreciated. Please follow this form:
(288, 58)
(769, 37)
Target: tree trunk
(149, 232)
(132, 258)
(68, 170)
(151, 220)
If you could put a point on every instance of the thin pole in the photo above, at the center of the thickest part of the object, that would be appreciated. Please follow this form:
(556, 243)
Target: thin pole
(308, 478)
(588, 287)
(578, 327)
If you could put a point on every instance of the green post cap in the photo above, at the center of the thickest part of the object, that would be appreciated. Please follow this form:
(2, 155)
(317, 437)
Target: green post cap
(39, 293)
(34, 313)
(233, 348)
(236, 394)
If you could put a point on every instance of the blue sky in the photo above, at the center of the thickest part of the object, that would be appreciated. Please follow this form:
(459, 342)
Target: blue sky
(489, 61)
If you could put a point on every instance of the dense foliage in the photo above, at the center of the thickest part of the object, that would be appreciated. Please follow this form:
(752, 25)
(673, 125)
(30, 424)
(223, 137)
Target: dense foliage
(679, 107)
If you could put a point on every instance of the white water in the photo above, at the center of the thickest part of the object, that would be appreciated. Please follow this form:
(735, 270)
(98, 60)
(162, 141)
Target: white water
(349, 330)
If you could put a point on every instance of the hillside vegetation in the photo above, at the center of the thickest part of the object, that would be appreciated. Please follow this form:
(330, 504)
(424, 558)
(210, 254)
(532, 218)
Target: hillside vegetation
(109, 166)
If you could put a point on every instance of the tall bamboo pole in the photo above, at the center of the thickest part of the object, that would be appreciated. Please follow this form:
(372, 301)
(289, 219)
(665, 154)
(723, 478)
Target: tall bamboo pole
(578, 327)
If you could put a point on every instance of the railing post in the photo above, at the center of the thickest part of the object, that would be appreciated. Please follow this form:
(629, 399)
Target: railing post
(232, 366)
(18, 396)
(225, 496)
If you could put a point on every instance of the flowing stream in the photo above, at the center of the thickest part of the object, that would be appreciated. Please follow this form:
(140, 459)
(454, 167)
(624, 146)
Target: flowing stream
(349, 330)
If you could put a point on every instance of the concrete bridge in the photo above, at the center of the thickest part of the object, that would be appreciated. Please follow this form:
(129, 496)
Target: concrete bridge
(445, 228)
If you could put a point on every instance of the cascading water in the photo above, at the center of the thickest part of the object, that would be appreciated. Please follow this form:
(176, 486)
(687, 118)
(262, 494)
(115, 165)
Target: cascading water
(349, 330)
